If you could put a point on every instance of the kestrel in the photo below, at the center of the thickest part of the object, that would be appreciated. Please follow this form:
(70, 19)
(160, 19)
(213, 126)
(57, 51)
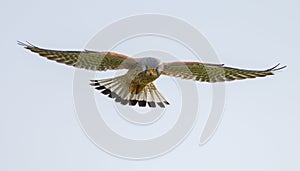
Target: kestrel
(136, 86)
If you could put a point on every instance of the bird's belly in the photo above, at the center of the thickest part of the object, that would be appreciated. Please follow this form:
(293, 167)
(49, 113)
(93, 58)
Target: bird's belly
(139, 82)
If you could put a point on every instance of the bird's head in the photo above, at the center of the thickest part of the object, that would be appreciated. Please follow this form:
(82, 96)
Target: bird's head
(151, 66)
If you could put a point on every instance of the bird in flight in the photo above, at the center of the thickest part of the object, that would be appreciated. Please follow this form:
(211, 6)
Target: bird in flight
(136, 86)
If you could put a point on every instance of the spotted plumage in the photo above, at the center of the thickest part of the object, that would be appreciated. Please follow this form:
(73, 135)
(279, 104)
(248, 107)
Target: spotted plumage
(136, 86)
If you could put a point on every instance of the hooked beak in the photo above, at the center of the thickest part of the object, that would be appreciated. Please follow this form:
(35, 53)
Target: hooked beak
(151, 72)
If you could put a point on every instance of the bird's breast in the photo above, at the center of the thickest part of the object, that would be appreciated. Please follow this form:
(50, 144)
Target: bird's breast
(140, 81)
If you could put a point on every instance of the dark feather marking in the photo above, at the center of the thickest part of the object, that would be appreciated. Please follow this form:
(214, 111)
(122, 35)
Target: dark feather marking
(113, 95)
(142, 103)
(95, 84)
(132, 102)
(152, 104)
(100, 88)
(106, 91)
(118, 99)
(166, 102)
(124, 102)
(161, 104)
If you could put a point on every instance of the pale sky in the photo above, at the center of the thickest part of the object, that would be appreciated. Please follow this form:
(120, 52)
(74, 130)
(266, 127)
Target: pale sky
(39, 127)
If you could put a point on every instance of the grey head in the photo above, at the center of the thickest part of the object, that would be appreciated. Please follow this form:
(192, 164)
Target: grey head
(150, 64)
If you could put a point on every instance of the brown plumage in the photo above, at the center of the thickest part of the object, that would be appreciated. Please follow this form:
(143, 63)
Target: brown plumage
(136, 86)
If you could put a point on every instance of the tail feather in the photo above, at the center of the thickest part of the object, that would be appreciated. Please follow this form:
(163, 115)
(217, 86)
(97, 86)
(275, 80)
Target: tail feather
(118, 89)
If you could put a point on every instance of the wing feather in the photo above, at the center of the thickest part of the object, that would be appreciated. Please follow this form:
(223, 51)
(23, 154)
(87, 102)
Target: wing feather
(86, 59)
(213, 72)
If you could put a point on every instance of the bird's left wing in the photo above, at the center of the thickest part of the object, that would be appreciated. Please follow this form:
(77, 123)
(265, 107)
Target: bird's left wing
(213, 72)
(90, 60)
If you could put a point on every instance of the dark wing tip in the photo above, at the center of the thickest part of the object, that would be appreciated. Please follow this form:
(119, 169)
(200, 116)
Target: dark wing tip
(26, 44)
(277, 68)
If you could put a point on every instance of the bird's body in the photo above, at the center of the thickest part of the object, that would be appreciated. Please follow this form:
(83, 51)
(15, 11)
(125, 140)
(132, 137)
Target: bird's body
(136, 86)
(140, 76)
(138, 83)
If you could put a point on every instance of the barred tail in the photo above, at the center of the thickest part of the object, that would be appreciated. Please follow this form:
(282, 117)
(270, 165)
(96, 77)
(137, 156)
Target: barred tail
(119, 89)
(149, 95)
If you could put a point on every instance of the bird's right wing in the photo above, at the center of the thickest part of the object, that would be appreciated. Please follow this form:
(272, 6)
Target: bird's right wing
(90, 60)
(213, 72)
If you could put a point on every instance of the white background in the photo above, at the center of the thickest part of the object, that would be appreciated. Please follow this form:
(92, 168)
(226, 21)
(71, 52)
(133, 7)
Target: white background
(260, 127)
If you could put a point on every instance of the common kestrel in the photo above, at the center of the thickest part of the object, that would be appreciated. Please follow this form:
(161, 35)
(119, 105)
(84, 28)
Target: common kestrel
(136, 86)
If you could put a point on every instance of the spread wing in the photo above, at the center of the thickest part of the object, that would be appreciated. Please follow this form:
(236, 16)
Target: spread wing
(213, 73)
(85, 59)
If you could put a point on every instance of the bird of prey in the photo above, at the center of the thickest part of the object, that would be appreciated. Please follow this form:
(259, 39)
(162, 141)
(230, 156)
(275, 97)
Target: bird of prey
(136, 86)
